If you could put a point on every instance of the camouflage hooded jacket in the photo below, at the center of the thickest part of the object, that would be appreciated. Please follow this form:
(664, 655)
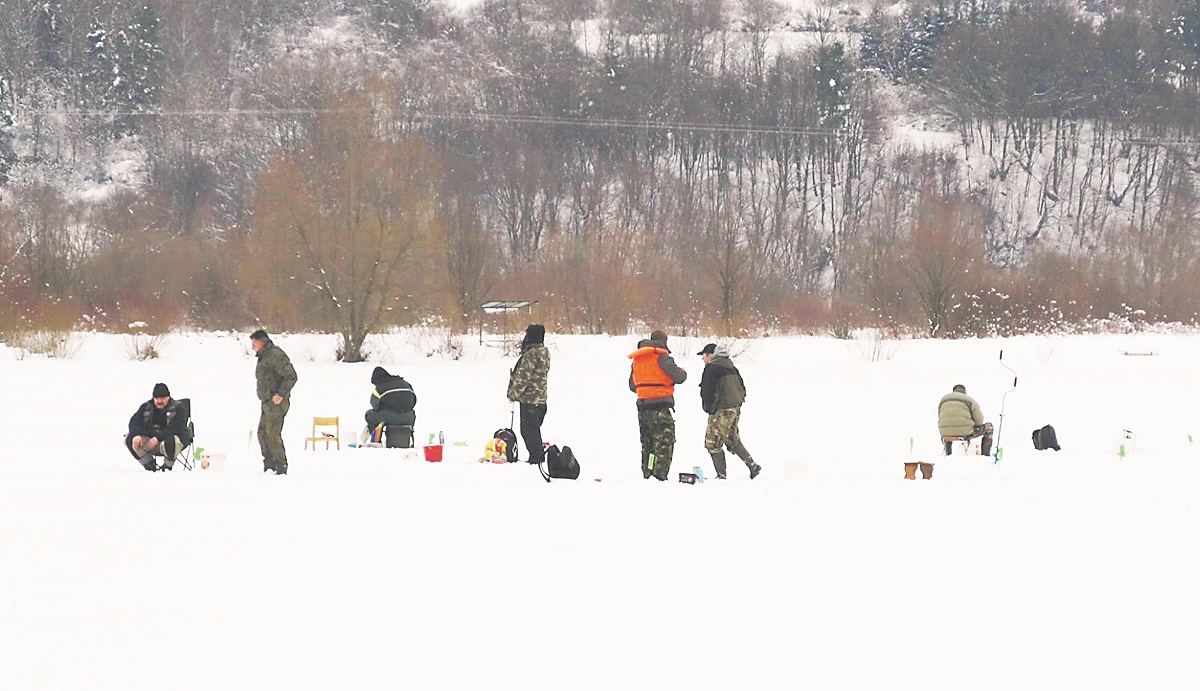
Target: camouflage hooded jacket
(527, 382)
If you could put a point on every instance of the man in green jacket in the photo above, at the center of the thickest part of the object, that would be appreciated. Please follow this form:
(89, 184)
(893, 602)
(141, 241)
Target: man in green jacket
(722, 392)
(959, 415)
(275, 377)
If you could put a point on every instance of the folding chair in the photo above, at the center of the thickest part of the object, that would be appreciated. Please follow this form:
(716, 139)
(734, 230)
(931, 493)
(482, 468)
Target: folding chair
(184, 456)
(325, 436)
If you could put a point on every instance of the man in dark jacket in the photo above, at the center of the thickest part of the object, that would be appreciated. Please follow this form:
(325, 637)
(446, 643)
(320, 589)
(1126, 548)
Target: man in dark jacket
(527, 384)
(275, 377)
(158, 428)
(653, 377)
(393, 402)
(722, 393)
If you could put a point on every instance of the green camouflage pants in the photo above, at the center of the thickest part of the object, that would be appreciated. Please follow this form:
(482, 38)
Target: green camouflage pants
(657, 428)
(722, 430)
(270, 435)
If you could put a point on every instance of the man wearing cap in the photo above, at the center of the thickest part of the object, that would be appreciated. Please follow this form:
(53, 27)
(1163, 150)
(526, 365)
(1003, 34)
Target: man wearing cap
(527, 384)
(722, 393)
(275, 377)
(158, 428)
(959, 416)
(653, 377)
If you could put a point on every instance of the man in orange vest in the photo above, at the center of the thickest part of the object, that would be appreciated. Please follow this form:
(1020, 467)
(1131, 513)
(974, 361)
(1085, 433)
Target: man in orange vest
(653, 378)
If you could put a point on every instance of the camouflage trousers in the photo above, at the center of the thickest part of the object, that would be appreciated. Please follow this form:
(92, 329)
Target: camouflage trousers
(722, 431)
(270, 435)
(657, 428)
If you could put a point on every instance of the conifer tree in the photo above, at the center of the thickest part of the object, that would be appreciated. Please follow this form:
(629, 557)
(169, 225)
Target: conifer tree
(832, 73)
(138, 59)
(8, 156)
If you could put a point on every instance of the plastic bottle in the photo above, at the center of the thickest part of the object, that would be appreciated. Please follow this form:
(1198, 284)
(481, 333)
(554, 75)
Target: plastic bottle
(441, 439)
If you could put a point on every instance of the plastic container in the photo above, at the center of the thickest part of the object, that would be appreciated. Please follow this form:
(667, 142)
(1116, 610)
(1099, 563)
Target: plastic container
(433, 454)
(211, 461)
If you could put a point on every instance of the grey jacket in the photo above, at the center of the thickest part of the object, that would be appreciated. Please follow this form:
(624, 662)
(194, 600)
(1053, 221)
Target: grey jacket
(958, 414)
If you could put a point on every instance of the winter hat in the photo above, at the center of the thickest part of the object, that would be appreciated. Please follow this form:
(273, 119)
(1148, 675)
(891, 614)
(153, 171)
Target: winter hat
(379, 375)
(959, 388)
(161, 391)
(721, 351)
(535, 333)
(658, 335)
(710, 348)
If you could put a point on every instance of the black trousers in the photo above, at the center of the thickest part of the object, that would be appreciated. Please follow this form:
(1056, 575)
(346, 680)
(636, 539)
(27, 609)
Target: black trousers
(532, 415)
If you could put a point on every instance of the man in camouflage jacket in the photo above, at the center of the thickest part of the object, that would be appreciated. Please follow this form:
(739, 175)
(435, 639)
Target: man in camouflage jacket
(275, 378)
(527, 386)
(722, 393)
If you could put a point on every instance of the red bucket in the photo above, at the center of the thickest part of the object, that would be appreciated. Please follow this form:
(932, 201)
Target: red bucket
(433, 454)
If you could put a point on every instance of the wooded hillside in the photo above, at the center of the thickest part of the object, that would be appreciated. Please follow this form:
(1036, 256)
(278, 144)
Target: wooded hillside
(740, 166)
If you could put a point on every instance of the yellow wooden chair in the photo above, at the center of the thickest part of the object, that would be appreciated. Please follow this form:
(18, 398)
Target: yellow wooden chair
(326, 437)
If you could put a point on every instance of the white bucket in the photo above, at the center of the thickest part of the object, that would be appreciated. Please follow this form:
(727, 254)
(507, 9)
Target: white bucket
(211, 461)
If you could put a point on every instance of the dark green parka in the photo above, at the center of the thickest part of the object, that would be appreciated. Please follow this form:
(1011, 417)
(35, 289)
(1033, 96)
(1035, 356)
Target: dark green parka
(274, 373)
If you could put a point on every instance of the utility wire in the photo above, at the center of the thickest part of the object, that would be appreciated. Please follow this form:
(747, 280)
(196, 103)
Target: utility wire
(462, 117)
(566, 121)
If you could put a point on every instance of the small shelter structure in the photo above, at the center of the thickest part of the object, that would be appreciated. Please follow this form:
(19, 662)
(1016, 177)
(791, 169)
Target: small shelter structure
(505, 308)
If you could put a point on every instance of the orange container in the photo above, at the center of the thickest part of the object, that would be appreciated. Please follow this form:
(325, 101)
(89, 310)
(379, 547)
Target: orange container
(433, 454)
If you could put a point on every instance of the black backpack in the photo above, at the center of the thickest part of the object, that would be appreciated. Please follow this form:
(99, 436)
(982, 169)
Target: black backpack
(1045, 438)
(510, 443)
(561, 463)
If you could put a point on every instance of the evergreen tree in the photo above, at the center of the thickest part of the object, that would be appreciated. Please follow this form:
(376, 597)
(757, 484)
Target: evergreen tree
(101, 69)
(138, 60)
(1185, 29)
(8, 157)
(832, 73)
(47, 36)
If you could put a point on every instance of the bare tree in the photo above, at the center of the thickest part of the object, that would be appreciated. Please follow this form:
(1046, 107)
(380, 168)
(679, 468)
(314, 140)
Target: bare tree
(944, 246)
(353, 209)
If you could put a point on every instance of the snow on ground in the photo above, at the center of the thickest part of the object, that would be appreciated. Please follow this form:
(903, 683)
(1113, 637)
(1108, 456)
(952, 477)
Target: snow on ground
(370, 568)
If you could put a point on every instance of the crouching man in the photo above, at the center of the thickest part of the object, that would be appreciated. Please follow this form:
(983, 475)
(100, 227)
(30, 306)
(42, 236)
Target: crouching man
(158, 428)
(393, 403)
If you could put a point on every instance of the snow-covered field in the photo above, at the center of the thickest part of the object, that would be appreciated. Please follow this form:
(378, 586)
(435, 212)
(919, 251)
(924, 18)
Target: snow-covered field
(371, 568)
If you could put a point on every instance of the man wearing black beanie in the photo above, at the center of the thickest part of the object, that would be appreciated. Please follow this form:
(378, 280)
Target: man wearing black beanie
(158, 428)
(527, 385)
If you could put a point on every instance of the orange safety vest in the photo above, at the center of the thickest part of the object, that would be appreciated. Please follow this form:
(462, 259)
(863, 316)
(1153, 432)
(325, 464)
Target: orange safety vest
(650, 379)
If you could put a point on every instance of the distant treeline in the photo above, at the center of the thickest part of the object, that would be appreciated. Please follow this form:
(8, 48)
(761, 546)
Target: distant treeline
(944, 167)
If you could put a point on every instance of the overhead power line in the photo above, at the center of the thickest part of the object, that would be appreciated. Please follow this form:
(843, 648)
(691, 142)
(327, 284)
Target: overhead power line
(418, 115)
(550, 120)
